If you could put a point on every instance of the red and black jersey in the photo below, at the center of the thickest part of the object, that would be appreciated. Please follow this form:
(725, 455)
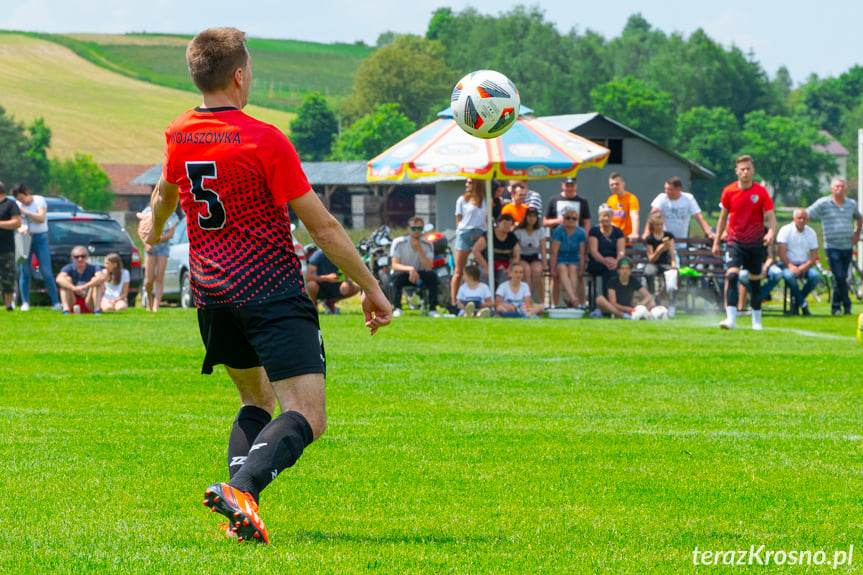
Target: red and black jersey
(746, 209)
(236, 175)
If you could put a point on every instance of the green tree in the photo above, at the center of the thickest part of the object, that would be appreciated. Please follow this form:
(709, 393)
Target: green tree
(372, 134)
(590, 68)
(314, 128)
(630, 53)
(710, 137)
(40, 141)
(20, 154)
(785, 157)
(631, 102)
(82, 181)
(410, 72)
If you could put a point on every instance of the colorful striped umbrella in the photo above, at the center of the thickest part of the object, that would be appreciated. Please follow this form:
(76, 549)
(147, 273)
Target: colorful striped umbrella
(530, 150)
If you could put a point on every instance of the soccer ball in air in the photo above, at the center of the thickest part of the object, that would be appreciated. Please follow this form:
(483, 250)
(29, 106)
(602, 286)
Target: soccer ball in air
(640, 312)
(659, 313)
(485, 103)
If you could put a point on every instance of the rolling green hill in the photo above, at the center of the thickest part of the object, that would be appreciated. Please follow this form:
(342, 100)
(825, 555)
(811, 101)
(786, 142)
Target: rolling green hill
(285, 71)
(90, 109)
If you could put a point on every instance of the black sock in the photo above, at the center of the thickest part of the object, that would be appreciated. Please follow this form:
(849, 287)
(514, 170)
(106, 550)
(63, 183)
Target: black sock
(277, 447)
(755, 296)
(248, 424)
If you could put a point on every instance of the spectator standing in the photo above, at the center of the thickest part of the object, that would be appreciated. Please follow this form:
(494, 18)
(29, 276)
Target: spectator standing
(80, 279)
(412, 261)
(497, 201)
(10, 220)
(678, 207)
(568, 257)
(518, 207)
(34, 210)
(115, 297)
(797, 247)
(841, 223)
(155, 260)
(471, 223)
(625, 206)
(745, 203)
(531, 247)
(607, 245)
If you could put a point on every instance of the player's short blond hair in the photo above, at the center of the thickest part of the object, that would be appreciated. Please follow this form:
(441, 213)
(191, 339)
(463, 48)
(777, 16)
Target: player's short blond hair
(744, 159)
(214, 55)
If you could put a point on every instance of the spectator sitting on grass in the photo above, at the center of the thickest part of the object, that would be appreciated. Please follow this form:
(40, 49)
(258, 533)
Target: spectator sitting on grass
(474, 297)
(621, 294)
(80, 279)
(116, 294)
(325, 282)
(512, 298)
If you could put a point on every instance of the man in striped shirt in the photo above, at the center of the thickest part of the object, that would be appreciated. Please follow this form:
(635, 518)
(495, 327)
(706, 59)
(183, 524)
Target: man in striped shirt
(840, 223)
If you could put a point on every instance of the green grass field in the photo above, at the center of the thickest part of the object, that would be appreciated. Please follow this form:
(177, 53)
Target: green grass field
(454, 446)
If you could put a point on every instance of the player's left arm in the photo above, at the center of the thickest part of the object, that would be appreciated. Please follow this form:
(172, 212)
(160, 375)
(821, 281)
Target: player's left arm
(329, 236)
(163, 202)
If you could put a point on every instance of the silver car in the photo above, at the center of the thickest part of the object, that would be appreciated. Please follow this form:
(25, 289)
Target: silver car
(177, 280)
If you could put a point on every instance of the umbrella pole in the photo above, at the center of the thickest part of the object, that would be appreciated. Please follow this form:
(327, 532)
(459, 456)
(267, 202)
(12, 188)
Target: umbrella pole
(490, 242)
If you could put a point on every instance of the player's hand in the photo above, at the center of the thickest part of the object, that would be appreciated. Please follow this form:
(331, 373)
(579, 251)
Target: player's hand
(768, 237)
(715, 249)
(377, 310)
(145, 229)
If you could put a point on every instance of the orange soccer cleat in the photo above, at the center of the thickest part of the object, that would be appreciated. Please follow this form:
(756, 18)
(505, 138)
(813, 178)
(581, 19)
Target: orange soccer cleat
(240, 509)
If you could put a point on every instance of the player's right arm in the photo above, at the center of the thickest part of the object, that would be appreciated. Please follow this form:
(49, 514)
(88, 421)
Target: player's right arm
(163, 202)
(329, 236)
(720, 228)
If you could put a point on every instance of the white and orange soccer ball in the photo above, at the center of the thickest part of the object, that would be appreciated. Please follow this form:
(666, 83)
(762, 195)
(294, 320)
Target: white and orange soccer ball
(640, 312)
(659, 313)
(485, 104)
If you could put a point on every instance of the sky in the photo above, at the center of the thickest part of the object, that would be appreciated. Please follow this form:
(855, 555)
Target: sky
(807, 38)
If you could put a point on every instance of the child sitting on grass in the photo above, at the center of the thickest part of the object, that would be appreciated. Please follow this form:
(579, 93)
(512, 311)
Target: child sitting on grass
(473, 294)
(513, 297)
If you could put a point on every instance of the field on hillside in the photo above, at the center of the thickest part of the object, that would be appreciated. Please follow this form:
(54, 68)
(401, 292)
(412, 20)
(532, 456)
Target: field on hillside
(90, 109)
(486, 446)
(285, 71)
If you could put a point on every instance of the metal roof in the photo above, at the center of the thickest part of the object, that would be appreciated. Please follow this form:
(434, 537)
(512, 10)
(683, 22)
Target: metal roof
(571, 123)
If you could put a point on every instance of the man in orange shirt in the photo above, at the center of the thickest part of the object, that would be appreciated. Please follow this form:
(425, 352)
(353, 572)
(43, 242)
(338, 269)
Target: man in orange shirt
(517, 208)
(625, 206)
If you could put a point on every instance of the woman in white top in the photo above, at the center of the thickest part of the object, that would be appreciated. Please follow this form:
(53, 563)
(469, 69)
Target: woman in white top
(116, 295)
(531, 243)
(470, 219)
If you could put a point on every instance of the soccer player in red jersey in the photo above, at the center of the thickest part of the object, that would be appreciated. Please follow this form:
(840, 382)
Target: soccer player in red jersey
(235, 177)
(745, 203)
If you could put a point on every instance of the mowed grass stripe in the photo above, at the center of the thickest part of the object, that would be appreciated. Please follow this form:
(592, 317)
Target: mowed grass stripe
(496, 446)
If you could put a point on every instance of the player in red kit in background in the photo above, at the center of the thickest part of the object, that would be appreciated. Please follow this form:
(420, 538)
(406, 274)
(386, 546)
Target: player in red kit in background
(235, 178)
(745, 203)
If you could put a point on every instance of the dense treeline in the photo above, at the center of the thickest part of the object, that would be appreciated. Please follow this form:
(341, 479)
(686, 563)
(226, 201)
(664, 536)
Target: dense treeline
(691, 94)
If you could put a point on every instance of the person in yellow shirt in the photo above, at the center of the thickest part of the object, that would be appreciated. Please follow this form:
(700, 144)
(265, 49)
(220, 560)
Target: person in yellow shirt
(625, 206)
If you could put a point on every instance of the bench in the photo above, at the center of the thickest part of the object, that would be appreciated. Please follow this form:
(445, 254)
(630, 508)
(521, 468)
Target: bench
(695, 293)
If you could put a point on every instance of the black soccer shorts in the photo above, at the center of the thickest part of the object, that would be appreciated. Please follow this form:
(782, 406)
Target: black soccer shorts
(282, 336)
(748, 257)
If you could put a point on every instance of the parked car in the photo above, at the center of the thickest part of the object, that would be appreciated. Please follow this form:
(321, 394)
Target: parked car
(100, 234)
(178, 285)
(62, 204)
